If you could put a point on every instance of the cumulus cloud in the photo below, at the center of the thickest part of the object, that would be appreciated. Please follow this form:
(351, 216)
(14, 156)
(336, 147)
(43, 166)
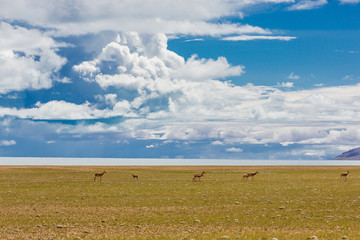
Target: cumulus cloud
(142, 63)
(234, 149)
(109, 99)
(7, 142)
(151, 146)
(28, 59)
(169, 17)
(313, 153)
(44, 12)
(165, 103)
(205, 69)
(55, 110)
(307, 5)
(305, 117)
(137, 62)
(292, 76)
(286, 84)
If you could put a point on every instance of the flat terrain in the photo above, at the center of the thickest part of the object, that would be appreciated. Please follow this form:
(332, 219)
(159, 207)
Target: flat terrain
(281, 202)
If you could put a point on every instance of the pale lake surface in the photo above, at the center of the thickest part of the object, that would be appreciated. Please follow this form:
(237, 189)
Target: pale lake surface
(169, 162)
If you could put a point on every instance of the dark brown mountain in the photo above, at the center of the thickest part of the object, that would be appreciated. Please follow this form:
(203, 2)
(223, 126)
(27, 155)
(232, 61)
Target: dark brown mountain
(353, 154)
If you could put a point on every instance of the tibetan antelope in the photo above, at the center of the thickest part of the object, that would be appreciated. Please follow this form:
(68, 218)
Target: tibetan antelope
(247, 175)
(99, 175)
(198, 176)
(135, 176)
(344, 175)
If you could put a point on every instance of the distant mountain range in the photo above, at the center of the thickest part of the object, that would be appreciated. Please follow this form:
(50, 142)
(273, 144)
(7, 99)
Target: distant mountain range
(353, 154)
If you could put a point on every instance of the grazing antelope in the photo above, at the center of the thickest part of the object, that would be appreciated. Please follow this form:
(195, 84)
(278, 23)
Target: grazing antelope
(99, 175)
(198, 176)
(344, 175)
(247, 175)
(135, 176)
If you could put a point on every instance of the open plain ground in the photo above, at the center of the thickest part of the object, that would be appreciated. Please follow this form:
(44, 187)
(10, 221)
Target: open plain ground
(283, 202)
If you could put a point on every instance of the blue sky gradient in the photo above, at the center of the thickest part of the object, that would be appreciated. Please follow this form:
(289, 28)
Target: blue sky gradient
(185, 79)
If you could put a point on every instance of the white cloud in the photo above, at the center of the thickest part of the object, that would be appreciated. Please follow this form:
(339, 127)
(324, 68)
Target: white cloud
(151, 146)
(311, 153)
(205, 69)
(169, 104)
(349, 51)
(28, 59)
(234, 149)
(63, 80)
(109, 99)
(307, 5)
(286, 84)
(292, 76)
(144, 62)
(195, 40)
(169, 17)
(307, 117)
(351, 78)
(349, 1)
(56, 110)
(87, 69)
(257, 37)
(7, 142)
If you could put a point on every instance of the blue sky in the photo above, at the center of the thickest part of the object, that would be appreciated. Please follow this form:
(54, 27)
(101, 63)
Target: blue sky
(274, 79)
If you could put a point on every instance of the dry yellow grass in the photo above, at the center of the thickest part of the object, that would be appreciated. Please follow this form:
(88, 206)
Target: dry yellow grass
(281, 202)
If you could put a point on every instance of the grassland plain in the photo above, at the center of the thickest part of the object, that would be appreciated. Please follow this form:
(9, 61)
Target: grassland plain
(281, 202)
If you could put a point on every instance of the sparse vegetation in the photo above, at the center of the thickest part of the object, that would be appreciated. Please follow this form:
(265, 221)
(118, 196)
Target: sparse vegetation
(282, 203)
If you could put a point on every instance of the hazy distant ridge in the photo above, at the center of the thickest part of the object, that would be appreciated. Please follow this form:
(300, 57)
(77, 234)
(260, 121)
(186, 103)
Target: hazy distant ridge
(353, 154)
